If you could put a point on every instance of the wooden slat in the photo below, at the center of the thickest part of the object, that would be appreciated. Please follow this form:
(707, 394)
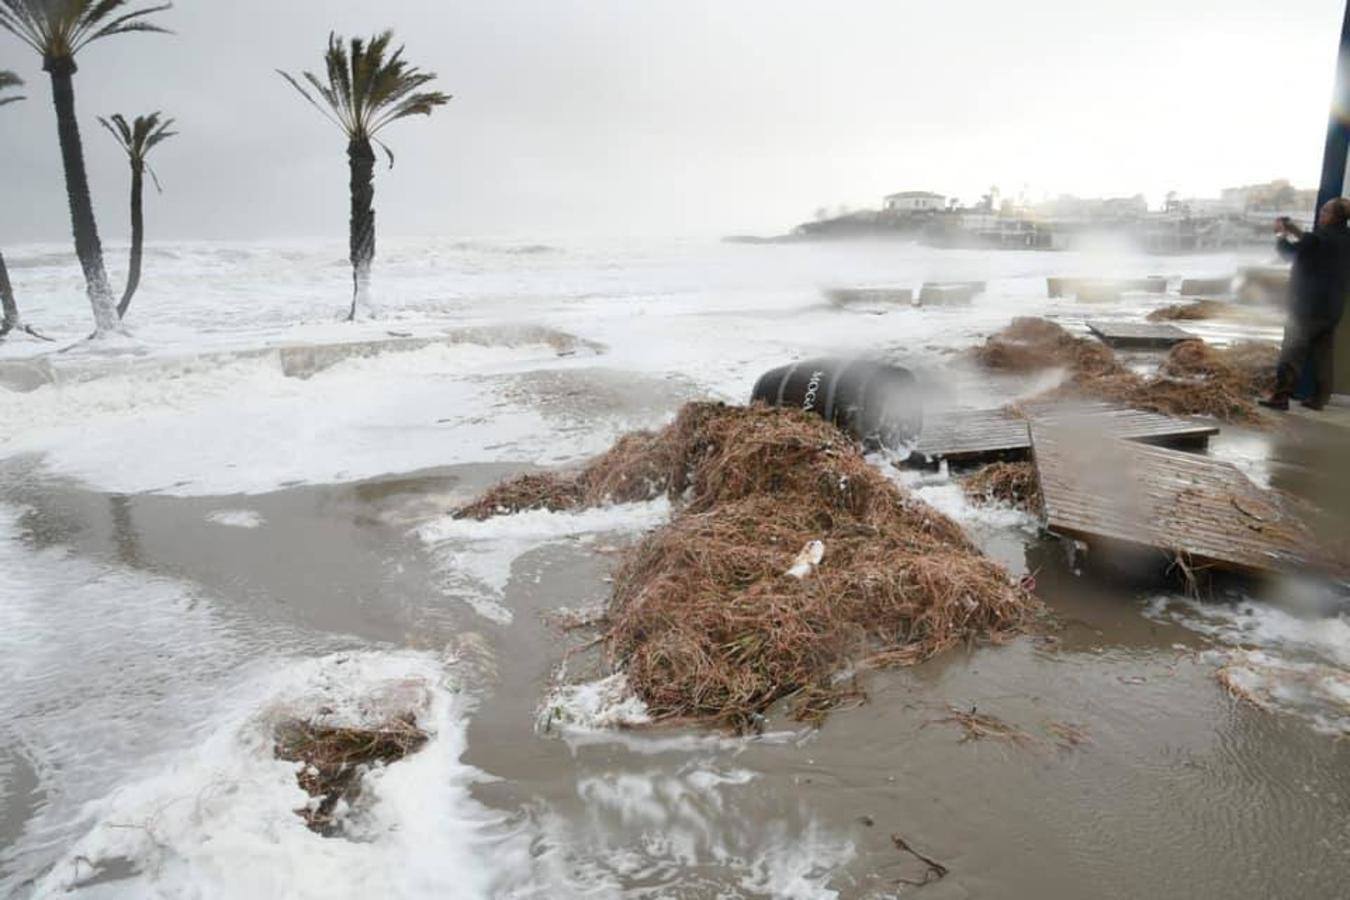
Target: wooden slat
(1180, 503)
(980, 434)
(969, 435)
(1138, 334)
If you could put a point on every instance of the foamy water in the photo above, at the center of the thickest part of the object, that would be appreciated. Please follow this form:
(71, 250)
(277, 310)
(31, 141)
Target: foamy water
(139, 703)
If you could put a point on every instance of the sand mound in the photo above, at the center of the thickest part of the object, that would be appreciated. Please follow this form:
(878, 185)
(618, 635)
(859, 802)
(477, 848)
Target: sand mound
(705, 618)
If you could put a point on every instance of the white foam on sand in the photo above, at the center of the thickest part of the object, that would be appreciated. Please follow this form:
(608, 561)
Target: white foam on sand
(219, 820)
(1294, 658)
(476, 558)
(592, 706)
(244, 427)
(654, 827)
(237, 518)
(944, 493)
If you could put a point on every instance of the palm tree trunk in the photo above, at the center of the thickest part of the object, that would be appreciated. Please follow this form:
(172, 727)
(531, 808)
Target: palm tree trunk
(361, 157)
(9, 309)
(87, 245)
(137, 238)
(10, 320)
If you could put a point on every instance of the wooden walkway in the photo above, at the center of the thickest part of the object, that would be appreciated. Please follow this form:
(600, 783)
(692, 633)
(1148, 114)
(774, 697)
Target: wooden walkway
(1181, 504)
(1138, 334)
(985, 434)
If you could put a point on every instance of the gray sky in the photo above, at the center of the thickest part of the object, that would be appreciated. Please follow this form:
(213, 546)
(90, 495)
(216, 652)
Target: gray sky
(606, 117)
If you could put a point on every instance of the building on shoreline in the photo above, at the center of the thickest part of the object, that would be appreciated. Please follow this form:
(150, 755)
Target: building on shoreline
(1239, 216)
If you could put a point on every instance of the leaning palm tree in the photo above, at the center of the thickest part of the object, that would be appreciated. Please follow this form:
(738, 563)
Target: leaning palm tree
(10, 320)
(137, 139)
(57, 30)
(366, 90)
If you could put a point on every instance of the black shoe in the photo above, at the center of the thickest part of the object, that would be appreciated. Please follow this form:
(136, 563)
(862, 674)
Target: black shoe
(1279, 403)
(1314, 405)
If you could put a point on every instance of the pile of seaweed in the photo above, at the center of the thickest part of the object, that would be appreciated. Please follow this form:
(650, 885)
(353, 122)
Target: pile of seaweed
(1014, 484)
(1191, 312)
(1030, 343)
(336, 758)
(789, 561)
(1195, 378)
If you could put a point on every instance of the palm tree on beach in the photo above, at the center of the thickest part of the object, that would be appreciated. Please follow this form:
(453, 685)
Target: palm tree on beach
(366, 89)
(9, 307)
(137, 139)
(58, 30)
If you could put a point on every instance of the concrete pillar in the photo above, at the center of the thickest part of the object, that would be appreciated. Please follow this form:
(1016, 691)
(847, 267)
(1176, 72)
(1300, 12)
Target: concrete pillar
(1333, 183)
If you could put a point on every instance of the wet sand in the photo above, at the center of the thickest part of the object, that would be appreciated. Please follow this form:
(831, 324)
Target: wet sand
(1178, 790)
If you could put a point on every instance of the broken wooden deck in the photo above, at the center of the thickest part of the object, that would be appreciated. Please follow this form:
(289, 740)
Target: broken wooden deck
(1182, 505)
(1139, 334)
(971, 436)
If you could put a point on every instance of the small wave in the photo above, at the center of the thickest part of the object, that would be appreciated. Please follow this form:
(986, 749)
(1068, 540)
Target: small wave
(475, 558)
(237, 518)
(221, 821)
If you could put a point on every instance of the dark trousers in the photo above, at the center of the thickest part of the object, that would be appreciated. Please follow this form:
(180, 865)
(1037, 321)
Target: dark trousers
(1311, 344)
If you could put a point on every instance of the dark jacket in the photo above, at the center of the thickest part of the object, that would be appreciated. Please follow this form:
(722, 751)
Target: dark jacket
(1320, 278)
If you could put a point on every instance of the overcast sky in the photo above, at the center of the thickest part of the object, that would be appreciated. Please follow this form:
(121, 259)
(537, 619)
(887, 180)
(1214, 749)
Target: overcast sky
(689, 117)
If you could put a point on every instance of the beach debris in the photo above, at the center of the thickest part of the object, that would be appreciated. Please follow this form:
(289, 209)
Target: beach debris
(806, 561)
(1191, 312)
(1031, 343)
(981, 726)
(703, 621)
(1068, 735)
(934, 871)
(1138, 335)
(1014, 484)
(335, 759)
(1312, 690)
(1180, 388)
(1244, 367)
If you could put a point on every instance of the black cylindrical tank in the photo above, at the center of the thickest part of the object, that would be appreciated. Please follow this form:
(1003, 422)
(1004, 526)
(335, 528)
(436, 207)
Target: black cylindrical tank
(876, 403)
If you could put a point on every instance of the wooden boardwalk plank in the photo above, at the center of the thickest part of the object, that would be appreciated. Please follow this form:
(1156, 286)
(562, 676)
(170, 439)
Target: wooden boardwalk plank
(1138, 334)
(1180, 503)
(969, 436)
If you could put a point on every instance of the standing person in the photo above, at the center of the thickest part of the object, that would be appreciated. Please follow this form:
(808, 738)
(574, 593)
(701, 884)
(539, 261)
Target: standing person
(1317, 290)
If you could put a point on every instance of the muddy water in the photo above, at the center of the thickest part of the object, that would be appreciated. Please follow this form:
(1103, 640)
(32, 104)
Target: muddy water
(1175, 789)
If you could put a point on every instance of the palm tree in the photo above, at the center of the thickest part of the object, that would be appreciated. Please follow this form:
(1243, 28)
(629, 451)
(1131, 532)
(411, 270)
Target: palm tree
(9, 307)
(57, 30)
(137, 139)
(365, 91)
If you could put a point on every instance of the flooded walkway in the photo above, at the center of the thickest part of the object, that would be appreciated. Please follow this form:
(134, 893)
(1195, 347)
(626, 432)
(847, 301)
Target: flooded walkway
(165, 587)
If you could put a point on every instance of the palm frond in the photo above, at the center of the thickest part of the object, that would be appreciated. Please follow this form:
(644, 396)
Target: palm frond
(9, 80)
(139, 137)
(59, 29)
(366, 87)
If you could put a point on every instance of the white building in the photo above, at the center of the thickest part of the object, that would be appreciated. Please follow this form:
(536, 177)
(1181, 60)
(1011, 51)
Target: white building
(915, 201)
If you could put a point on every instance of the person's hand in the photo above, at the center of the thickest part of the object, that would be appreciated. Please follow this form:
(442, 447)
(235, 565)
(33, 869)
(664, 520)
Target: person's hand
(1282, 225)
